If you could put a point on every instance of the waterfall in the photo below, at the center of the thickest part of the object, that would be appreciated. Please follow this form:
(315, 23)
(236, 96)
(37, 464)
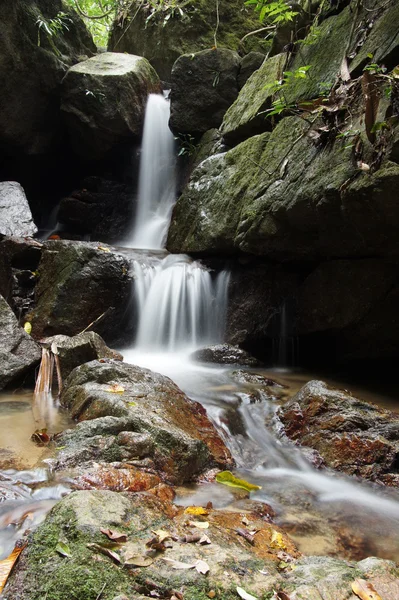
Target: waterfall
(179, 303)
(157, 185)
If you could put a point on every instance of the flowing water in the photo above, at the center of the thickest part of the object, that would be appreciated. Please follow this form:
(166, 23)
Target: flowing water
(180, 305)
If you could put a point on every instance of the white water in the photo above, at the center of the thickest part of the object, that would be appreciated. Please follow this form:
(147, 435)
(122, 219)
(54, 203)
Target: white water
(157, 182)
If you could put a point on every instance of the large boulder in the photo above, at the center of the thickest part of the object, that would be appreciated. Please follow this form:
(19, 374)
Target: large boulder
(19, 353)
(281, 195)
(163, 41)
(104, 100)
(80, 282)
(203, 86)
(32, 65)
(225, 354)
(350, 435)
(15, 215)
(127, 412)
(233, 562)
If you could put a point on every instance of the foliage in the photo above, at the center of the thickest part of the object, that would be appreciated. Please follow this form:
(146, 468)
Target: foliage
(99, 15)
(164, 10)
(279, 87)
(52, 27)
(276, 12)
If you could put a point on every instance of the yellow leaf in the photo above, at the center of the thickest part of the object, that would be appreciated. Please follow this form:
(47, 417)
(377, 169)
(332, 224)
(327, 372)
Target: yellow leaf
(7, 564)
(365, 590)
(277, 540)
(195, 510)
(104, 249)
(227, 478)
(28, 327)
(116, 389)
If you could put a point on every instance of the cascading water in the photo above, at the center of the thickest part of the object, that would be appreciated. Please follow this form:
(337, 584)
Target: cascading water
(157, 182)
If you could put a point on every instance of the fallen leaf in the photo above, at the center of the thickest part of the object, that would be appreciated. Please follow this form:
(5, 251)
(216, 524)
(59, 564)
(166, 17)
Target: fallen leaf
(190, 539)
(28, 327)
(161, 534)
(205, 540)
(138, 561)
(103, 248)
(106, 551)
(7, 564)
(277, 540)
(132, 403)
(41, 437)
(176, 564)
(115, 389)
(245, 521)
(116, 536)
(63, 549)
(246, 535)
(244, 595)
(227, 478)
(202, 567)
(211, 594)
(365, 590)
(54, 348)
(199, 524)
(195, 510)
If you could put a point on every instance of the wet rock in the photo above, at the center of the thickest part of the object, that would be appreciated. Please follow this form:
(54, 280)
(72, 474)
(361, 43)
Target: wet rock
(15, 215)
(120, 406)
(117, 477)
(101, 208)
(184, 34)
(19, 353)
(203, 86)
(79, 282)
(225, 354)
(259, 387)
(104, 99)
(31, 73)
(232, 560)
(80, 349)
(249, 64)
(350, 435)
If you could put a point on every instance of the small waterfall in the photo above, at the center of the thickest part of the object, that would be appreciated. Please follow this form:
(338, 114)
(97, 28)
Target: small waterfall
(157, 184)
(180, 305)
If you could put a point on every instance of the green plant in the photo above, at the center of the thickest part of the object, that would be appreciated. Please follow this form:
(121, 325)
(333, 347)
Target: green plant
(276, 12)
(279, 87)
(187, 144)
(52, 28)
(164, 10)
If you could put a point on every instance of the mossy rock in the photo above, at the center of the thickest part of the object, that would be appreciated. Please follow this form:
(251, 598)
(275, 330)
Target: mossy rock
(163, 44)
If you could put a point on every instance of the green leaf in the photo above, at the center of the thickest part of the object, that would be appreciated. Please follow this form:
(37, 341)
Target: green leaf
(227, 478)
(63, 549)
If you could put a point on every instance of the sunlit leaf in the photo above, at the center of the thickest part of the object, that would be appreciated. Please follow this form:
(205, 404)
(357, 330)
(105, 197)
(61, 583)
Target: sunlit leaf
(277, 540)
(199, 524)
(103, 248)
(63, 549)
(162, 534)
(28, 327)
(7, 564)
(365, 590)
(244, 595)
(227, 478)
(196, 510)
(115, 388)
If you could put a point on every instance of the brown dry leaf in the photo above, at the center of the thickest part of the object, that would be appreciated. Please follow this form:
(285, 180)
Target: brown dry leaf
(365, 590)
(115, 388)
(161, 534)
(7, 564)
(245, 521)
(344, 72)
(106, 551)
(41, 437)
(116, 536)
(195, 510)
(176, 564)
(199, 524)
(202, 567)
(138, 561)
(204, 540)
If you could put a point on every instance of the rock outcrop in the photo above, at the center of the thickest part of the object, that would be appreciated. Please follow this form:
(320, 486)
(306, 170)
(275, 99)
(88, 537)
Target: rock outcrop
(15, 215)
(203, 86)
(129, 413)
(190, 30)
(350, 435)
(19, 353)
(80, 282)
(104, 99)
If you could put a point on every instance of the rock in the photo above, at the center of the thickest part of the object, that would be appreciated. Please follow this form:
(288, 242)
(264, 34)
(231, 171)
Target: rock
(250, 63)
(247, 117)
(258, 387)
(225, 354)
(31, 73)
(80, 349)
(183, 441)
(101, 208)
(15, 215)
(78, 283)
(203, 86)
(19, 353)
(278, 195)
(352, 436)
(232, 561)
(162, 43)
(103, 101)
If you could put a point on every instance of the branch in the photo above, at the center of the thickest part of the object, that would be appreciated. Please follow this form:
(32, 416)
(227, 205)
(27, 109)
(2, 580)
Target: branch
(257, 31)
(217, 23)
(86, 16)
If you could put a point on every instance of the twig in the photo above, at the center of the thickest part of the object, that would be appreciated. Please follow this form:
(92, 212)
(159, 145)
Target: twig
(217, 24)
(257, 31)
(101, 591)
(94, 322)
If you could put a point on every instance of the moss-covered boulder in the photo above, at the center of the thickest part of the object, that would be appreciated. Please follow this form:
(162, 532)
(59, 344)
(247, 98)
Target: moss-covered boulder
(78, 283)
(233, 562)
(32, 65)
(191, 30)
(104, 99)
(281, 195)
(116, 401)
(203, 86)
(19, 354)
